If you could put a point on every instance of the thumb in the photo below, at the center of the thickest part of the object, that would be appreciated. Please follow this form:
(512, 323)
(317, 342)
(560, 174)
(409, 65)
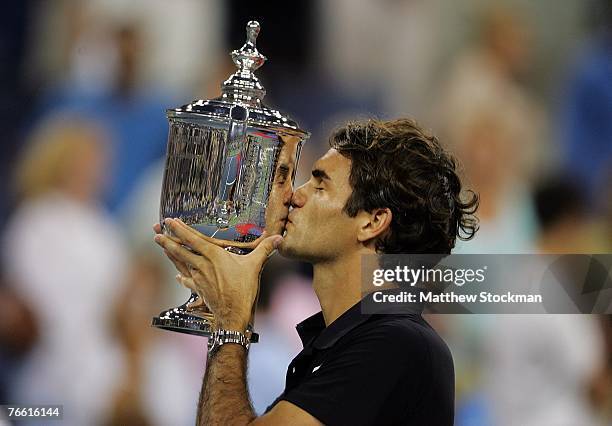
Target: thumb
(267, 247)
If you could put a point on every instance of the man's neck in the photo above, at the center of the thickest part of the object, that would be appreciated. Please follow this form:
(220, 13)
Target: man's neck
(337, 285)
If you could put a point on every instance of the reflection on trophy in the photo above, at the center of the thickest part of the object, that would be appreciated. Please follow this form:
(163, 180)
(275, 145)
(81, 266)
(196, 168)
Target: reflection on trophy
(230, 167)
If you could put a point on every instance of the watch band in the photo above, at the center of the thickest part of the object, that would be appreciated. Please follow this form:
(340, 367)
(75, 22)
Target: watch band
(221, 337)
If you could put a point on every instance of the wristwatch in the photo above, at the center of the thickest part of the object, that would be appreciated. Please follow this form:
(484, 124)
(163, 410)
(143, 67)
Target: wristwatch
(221, 337)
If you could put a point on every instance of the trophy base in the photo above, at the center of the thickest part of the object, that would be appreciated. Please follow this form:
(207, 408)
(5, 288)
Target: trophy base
(184, 320)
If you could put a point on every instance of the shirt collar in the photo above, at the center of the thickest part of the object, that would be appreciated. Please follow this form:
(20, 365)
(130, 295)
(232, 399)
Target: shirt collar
(313, 329)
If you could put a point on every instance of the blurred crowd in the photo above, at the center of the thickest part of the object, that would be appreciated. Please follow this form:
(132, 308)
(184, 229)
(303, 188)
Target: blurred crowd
(520, 91)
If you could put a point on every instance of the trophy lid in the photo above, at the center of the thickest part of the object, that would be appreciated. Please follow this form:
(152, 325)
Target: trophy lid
(241, 88)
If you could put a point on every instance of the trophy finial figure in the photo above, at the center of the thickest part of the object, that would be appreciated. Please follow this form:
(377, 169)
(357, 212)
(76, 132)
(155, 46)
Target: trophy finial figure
(248, 58)
(252, 29)
(243, 84)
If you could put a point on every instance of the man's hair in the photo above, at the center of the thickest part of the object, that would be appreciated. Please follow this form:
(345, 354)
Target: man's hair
(397, 165)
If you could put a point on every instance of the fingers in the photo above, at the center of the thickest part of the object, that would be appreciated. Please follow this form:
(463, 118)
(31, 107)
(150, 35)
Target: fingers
(190, 237)
(178, 252)
(186, 281)
(266, 248)
(180, 266)
(199, 302)
(157, 228)
(190, 284)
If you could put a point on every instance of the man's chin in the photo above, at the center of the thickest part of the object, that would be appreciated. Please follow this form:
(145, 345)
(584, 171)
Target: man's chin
(284, 248)
(288, 250)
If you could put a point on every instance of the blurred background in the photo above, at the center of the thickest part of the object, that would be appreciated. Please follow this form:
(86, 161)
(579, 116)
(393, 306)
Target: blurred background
(521, 91)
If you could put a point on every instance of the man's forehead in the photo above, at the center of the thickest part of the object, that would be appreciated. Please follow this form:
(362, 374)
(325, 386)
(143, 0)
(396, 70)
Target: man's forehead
(332, 162)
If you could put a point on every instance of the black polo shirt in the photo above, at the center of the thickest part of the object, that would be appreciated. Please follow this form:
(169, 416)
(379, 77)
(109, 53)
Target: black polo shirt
(381, 369)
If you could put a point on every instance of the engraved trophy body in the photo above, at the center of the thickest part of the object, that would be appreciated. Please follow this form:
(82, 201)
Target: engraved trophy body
(230, 167)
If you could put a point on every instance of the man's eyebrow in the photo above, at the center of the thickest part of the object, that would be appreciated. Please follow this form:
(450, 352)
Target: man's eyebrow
(320, 174)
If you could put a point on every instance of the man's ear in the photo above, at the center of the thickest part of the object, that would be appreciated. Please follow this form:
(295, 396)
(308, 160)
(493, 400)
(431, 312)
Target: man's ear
(374, 224)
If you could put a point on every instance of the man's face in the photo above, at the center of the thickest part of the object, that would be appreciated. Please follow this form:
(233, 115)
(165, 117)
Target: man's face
(317, 229)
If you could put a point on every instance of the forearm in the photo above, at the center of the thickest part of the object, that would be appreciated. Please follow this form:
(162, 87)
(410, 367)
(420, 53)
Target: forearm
(224, 399)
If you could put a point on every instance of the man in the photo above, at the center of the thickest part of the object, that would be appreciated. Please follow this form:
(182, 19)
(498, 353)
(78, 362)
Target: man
(383, 187)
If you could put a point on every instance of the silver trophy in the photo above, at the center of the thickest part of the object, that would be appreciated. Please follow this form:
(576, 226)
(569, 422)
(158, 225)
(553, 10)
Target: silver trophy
(230, 167)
